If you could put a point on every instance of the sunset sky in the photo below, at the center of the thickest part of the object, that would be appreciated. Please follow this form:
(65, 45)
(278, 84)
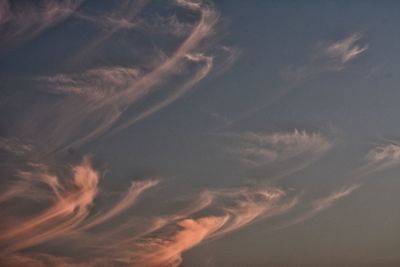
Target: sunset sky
(196, 133)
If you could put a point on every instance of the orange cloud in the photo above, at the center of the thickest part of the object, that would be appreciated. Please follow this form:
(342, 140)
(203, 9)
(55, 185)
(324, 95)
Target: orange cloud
(68, 210)
(135, 190)
(158, 241)
(168, 252)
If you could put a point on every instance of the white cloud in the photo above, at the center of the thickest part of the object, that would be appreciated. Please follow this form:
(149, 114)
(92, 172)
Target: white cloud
(263, 148)
(343, 50)
(327, 57)
(382, 157)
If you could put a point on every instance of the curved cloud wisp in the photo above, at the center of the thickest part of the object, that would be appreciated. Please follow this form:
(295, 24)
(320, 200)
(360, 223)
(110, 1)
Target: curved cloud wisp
(264, 148)
(282, 153)
(344, 50)
(238, 207)
(382, 157)
(19, 24)
(161, 241)
(107, 99)
(69, 207)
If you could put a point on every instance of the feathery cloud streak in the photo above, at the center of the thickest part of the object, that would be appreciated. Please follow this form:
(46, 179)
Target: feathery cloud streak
(281, 153)
(23, 22)
(236, 208)
(343, 50)
(69, 206)
(327, 57)
(382, 157)
(377, 159)
(320, 204)
(213, 214)
(93, 101)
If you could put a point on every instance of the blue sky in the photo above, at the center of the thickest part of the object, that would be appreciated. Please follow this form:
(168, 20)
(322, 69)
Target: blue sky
(199, 133)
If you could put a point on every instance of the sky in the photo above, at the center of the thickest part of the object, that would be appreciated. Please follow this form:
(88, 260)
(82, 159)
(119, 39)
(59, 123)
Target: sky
(199, 133)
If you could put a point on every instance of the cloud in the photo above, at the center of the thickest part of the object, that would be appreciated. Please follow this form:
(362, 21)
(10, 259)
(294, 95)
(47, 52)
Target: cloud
(381, 157)
(92, 102)
(236, 208)
(325, 202)
(253, 205)
(69, 208)
(156, 241)
(15, 146)
(377, 159)
(95, 84)
(321, 204)
(20, 22)
(201, 73)
(265, 148)
(343, 50)
(135, 190)
(327, 57)
(37, 260)
(168, 252)
(69, 204)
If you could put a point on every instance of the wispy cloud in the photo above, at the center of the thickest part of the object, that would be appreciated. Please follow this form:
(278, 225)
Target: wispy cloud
(15, 146)
(377, 159)
(70, 202)
(101, 95)
(95, 84)
(328, 56)
(135, 190)
(22, 22)
(247, 205)
(156, 241)
(295, 148)
(70, 207)
(343, 50)
(381, 157)
(327, 201)
(168, 251)
(320, 204)
(35, 260)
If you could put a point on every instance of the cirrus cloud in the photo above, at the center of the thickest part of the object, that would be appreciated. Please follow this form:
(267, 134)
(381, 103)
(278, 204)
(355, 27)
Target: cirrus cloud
(265, 148)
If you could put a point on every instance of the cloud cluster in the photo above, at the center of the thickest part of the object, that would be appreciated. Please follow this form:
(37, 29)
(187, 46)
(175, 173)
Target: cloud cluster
(157, 241)
(226, 211)
(105, 99)
(92, 102)
(69, 202)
